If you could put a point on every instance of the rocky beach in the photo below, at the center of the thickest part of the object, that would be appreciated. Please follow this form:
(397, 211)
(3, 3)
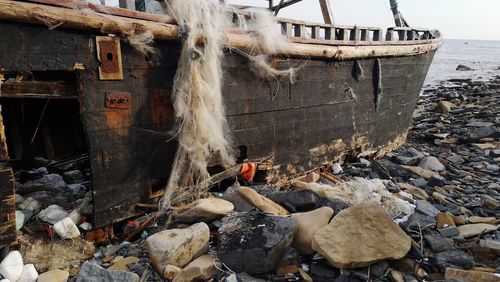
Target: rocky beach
(428, 211)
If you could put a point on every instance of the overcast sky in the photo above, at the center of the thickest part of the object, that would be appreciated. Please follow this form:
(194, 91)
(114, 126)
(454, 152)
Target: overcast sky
(457, 19)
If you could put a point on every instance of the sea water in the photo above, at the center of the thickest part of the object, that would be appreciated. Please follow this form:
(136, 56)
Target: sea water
(481, 55)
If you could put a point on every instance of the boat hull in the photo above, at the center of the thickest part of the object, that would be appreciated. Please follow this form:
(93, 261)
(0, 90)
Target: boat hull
(331, 109)
(328, 112)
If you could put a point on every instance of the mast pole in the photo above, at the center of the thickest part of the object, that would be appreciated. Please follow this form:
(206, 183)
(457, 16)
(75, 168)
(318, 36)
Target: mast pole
(398, 17)
(327, 12)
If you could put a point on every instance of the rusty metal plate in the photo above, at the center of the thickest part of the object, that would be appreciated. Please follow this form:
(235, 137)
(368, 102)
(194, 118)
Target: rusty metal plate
(110, 56)
(118, 100)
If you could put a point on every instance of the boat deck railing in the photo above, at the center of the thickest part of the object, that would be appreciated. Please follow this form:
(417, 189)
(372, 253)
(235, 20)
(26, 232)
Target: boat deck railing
(308, 32)
(296, 30)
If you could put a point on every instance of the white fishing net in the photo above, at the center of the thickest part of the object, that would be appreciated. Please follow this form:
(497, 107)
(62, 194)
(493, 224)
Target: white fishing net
(202, 128)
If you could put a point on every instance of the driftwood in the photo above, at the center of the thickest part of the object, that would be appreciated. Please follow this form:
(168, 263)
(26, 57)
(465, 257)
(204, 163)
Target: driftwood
(206, 184)
(75, 19)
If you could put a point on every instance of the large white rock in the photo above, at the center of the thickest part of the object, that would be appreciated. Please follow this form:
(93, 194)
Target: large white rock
(12, 266)
(309, 224)
(177, 246)
(29, 274)
(361, 235)
(204, 210)
(66, 229)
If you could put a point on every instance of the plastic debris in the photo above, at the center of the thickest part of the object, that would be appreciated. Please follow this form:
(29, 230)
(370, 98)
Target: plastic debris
(66, 229)
(53, 214)
(336, 168)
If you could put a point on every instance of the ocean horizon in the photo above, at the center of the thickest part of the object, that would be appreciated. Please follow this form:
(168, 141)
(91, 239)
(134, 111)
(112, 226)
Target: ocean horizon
(481, 55)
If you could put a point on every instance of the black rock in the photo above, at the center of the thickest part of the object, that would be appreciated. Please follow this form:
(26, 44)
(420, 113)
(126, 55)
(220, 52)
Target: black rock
(323, 272)
(419, 182)
(464, 68)
(336, 205)
(436, 180)
(245, 277)
(480, 133)
(73, 176)
(418, 221)
(240, 204)
(294, 200)
(254, 242)
(454, 259)
(439, 243)
(48, 182)
(91, 272)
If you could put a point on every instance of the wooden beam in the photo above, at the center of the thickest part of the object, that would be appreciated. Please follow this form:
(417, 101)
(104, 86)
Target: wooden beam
(109, 24)
(326, 11)
(108, 10)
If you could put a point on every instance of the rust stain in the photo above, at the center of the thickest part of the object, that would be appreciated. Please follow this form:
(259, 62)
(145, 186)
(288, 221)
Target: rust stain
(118, 120)
(162, 110)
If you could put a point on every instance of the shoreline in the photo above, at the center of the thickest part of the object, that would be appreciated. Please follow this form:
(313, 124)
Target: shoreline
(440, 192)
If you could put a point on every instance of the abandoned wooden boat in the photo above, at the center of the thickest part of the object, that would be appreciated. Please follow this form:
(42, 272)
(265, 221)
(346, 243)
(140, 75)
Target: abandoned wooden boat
(86, 91)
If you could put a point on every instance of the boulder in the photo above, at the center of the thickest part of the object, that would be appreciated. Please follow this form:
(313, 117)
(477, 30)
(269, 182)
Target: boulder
(29, 274)
(470, 276)
(454, 259)
(470, 230)
(201, 269)
(294, 200)
(54, 275)
(204, 210)
(361, 235)
(91, 272)
(11, 266)
(309, 223)
(254, 242)
(431, 163)
(177, 246)
(262, 203)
